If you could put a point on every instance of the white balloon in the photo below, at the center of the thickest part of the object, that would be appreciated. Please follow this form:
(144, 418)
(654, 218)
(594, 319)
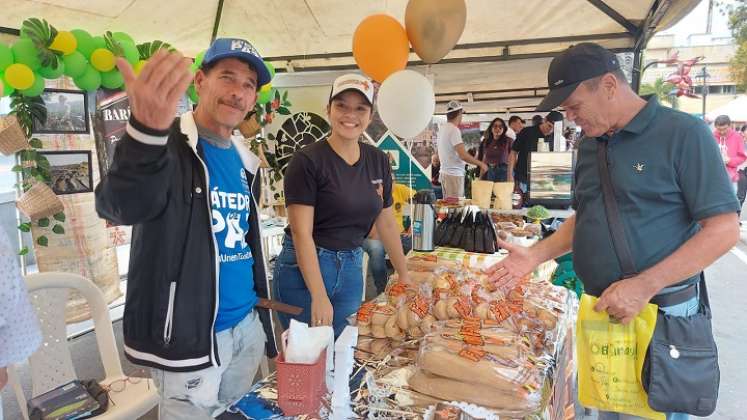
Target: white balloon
(406, 103)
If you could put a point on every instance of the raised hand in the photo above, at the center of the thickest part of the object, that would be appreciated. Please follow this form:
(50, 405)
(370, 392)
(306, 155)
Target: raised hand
(155, 93)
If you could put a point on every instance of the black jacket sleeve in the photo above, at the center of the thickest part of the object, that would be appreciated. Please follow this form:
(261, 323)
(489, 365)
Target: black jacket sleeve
(136, 188)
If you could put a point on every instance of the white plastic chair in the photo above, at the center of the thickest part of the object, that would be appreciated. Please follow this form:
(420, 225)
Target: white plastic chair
(52, 366)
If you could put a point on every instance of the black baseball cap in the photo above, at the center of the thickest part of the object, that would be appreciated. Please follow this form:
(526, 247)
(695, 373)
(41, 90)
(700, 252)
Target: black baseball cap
(576, 64)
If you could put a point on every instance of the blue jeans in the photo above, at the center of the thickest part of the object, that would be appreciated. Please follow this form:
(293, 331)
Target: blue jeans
(496, 173)
(686, 308)
(377, 259)
(438, 191)
(342, 273)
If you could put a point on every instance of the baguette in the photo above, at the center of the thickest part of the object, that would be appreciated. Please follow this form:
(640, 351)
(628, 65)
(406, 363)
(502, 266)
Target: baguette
(483, 395)
(440, 361)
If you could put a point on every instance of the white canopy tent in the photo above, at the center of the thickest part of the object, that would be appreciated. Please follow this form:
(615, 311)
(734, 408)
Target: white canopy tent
(736, 110)
(499, 63)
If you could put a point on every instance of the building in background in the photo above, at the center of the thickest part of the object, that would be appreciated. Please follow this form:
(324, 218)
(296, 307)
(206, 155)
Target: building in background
(716, 50)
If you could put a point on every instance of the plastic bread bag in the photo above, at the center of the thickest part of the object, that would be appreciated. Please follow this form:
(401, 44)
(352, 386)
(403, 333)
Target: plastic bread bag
(495, 362)
(372, 349)
(429, 263)
(416, 310)
(372, 318)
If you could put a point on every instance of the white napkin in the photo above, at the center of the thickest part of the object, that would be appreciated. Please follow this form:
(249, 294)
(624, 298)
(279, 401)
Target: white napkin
(306, 344)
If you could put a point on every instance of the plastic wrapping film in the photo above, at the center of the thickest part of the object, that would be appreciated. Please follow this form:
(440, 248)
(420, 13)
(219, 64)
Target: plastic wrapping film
(458, 335)
(482, 363)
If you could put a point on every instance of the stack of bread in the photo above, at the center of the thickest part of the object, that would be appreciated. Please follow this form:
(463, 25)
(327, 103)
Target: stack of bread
(440, 290)
(481, 340)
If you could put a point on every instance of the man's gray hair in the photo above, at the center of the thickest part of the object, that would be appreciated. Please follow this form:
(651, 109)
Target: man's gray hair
(593, 83)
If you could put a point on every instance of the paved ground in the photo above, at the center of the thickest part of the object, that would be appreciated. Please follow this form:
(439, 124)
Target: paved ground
(727, 287)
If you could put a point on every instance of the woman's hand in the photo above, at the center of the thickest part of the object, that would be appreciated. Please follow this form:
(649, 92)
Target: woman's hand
(321, 311)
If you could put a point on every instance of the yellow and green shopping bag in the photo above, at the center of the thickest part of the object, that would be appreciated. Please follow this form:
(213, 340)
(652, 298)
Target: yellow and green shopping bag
(610, 360)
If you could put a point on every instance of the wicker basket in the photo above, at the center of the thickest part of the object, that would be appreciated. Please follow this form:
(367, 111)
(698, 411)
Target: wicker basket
(250, 128)
(12, 137)
(39, 202)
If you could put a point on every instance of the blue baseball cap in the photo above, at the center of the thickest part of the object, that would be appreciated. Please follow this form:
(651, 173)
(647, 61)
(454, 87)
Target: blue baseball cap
(241, 49)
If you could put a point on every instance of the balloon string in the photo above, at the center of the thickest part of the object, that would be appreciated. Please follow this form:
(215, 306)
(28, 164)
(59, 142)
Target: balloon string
(412, 185)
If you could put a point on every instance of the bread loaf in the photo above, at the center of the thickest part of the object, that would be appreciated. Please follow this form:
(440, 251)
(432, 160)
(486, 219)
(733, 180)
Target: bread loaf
(484, 395)
(443, 362)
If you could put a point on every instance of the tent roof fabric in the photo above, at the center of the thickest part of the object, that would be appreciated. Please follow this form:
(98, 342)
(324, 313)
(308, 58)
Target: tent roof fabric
(736, 110)
(505, 45)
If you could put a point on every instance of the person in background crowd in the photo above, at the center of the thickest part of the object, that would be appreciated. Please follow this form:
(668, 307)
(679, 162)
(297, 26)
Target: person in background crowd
(494, 151)
(526, 142)
(401, 196)
(676, 203)
(742, 172)
(20, 335)
(537, 120)
(452, 153)
(196, 267)
(335, 190)
(731, 144)
(514, 123)
(435, 176)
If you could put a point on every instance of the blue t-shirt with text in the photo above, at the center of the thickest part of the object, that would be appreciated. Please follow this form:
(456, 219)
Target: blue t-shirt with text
(230, 199)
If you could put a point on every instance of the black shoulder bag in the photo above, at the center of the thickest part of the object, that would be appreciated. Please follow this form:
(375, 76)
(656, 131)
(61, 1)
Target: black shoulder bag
(680, 373)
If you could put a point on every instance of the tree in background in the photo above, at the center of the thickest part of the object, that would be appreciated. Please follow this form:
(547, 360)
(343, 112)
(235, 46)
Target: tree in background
(737, 13)
(663, 90)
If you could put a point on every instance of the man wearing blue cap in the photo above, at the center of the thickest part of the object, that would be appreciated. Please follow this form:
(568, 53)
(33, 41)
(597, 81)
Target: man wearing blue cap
(196, 266)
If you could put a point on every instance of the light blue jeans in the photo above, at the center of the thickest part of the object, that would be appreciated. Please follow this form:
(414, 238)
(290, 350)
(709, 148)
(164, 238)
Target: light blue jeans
(206, 393)
(686, 308)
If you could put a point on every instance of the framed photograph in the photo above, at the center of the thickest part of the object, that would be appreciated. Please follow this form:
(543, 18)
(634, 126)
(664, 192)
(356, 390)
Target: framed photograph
(67, 112)
(70, 171)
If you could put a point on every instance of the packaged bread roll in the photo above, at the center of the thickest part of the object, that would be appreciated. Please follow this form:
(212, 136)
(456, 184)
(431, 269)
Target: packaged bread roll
(514, 404)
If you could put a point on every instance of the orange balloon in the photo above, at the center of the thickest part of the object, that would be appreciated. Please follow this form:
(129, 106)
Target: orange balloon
(380, 46)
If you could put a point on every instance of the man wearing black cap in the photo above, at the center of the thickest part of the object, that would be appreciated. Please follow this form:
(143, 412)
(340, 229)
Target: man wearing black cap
(526, 143)
(196, 268)
(678, 209)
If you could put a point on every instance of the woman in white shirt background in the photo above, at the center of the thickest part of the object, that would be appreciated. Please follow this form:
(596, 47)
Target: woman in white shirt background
(20, 335)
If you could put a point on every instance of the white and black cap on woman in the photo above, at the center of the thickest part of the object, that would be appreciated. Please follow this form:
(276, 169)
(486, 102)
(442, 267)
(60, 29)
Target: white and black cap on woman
(575, 65)
(355, 82)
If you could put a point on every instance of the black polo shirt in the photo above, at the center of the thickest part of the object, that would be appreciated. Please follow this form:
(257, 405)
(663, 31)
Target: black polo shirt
(667, 175)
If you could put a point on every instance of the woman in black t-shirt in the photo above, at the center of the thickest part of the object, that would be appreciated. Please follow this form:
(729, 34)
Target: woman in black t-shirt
(335, 190)
(494, 151)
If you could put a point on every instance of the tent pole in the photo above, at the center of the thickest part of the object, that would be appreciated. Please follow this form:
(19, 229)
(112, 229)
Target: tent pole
(216, 24)
(637, 73)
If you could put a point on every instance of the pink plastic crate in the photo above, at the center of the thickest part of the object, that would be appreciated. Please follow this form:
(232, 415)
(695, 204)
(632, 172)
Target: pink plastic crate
(301, 387)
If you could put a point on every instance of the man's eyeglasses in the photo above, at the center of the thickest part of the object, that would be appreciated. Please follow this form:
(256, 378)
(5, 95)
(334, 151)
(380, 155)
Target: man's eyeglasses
(120, 384)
